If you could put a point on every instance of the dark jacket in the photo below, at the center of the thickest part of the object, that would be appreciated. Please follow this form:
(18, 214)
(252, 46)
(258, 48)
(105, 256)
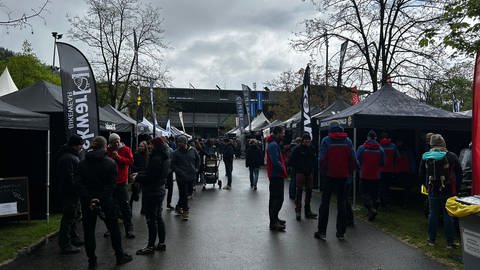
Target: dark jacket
(67, 165)
(185, 164)
(139, 162)
(154, 177)
(337, 157)
(371, 157)
(455, 174)
(228, 152)
(254, 157)
(275, 162)
(302, 159)
(96, 176)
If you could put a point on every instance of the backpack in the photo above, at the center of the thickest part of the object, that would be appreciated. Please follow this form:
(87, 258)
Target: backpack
(437, 170)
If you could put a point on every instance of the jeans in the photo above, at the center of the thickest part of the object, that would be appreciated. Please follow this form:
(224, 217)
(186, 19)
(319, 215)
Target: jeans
(253, 176)
(437, 204)
(183, 193)
(120, 196)
(153, 215)
(275, 201)
(337, 184)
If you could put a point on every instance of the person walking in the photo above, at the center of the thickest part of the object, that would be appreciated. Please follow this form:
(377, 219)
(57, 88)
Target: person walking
(67, 164)
(302, 160)
(185, 162)
(443, 175)
(276, 171)
(123, 157)
(152, 180)
(337, 161)
(388, 173)
(96, 180)
(370, 157)
(253, 161)
(228, 155)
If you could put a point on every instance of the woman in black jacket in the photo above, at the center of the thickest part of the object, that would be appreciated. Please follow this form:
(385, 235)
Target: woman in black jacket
(140, 159)
(153, 181)
(253, 160)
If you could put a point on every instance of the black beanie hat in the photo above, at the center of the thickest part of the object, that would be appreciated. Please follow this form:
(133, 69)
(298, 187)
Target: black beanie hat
(306, 136)
(75, 140)
(372, 134)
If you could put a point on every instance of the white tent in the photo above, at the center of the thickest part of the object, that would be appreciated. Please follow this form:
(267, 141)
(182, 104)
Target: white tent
(7, 85)
(258, 123)
(158, 130)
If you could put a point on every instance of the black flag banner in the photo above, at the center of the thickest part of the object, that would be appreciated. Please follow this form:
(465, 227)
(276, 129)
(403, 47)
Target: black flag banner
(79, 94)
(343, 50)
(306, 120)
(240, 113)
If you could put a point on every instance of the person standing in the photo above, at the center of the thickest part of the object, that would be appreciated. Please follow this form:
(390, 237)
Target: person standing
(185, 162)
(276, 171)
(152, 180)
(96, 179)
(123, 156)
(370, 157)
(228, 155)
(388, 172)
(443, 175)
(337, 161)
(302, 160)
(67, 164)
(140, 159)
(253, 160)
(292, 189)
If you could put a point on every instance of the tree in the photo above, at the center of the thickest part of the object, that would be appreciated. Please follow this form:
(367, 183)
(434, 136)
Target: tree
(26, 69)
(5, 53)
(108, 29)
(21, 21)
(463, 20)
(383, 37)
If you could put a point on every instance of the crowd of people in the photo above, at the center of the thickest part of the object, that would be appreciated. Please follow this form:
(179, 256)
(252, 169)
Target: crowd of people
(96, 185)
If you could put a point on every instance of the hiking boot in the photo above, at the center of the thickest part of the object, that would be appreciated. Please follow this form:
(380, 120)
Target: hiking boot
(178, 211)
(254, 187)
(282, 222)
(69, 250)
(185, 215)
(123, 259)
(277, 227)
(106, 234)
(309, 214)
(170, 208)
(227, 187)
(77, 242)
(146, 251)
(340, 236)
(320, 236)
(298, 215)
(161, 247)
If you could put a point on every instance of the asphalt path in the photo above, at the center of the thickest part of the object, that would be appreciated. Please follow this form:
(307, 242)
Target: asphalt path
(229, 229)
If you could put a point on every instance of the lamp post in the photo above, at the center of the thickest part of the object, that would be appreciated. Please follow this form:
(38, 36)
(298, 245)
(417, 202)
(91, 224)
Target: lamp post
(55, 36)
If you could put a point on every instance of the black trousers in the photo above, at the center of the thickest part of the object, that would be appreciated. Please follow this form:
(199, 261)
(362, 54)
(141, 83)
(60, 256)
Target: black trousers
(68, 225)
(153, 215)
(337, 185)
(275, 201)
(228, 170)
(120, 196)
(386, 180)
(89, 221)
(183, 193)
(169, 187)
(369, 189)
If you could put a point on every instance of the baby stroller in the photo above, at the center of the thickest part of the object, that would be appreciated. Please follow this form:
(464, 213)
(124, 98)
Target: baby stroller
(210, 172)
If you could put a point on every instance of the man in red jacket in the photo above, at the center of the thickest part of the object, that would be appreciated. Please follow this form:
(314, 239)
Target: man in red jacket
(123, 156)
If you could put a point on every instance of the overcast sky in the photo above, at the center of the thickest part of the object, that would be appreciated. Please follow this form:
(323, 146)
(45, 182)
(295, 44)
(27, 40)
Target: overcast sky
(224, 42)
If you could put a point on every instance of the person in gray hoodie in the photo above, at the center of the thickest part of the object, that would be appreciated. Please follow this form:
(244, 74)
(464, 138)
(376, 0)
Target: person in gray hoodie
(185, 163)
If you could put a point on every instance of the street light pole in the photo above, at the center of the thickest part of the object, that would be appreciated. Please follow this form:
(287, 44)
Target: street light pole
(55, 36)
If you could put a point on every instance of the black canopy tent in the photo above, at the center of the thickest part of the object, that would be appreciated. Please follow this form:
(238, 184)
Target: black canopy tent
(391, 110)
(24, 143)
(45, 97)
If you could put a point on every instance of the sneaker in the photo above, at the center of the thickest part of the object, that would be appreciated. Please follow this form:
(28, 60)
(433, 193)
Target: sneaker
(452, 246)
(185, 215)
(281, 221)
(125, 258)
(106, 234)
(431, 242)
(298, 216)
(320, 236)
(77, 242)
(161, 247)
(170, 208)
(278, 227)
(130, 235)
(255, 188)
(227, 187)
(340, 236)
(69, 250)
(146, 251)
(178, 211)
(310, 215)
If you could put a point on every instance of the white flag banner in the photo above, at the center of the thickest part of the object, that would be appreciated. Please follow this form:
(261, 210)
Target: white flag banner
(180, 115)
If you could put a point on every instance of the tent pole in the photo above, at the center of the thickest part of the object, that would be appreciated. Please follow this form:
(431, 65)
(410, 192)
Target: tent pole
(48, 175)
(354, 173)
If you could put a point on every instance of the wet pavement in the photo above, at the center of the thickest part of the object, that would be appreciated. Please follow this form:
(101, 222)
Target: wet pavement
(228, 229)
